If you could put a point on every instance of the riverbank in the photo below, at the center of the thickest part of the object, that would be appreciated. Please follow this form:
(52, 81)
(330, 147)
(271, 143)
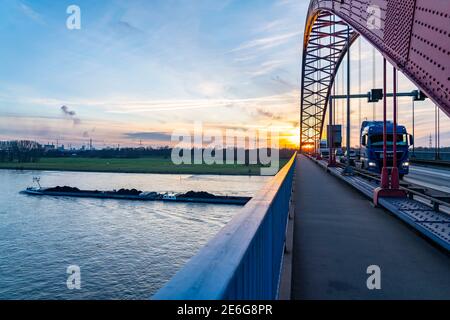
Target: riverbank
(139, 165)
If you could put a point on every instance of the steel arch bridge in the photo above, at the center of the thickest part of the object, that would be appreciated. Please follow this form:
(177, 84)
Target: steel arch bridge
(413, 35)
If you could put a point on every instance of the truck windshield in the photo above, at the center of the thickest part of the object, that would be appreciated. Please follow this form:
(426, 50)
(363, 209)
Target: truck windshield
(377, 139)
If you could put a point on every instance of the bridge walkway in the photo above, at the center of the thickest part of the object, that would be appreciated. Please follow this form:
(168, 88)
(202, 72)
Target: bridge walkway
(338, 234)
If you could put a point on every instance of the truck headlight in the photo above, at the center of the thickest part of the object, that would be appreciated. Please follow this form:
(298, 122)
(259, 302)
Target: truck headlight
(372, 164)
(406, 164)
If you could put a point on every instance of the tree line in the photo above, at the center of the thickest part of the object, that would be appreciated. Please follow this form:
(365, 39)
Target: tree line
(23, 151)
(20, 151)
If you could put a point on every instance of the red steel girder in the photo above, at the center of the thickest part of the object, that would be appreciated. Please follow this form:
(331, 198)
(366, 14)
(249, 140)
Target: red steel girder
(413, 35)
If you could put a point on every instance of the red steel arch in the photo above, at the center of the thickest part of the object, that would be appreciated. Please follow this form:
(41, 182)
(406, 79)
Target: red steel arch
(413, 35)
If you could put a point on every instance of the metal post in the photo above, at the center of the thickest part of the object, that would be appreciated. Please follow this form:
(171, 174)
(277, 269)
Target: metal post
(336, 83)
(316, 137)
(439, 133)
(348, 168)
(435, 133)
(331, 160)
(373, 80)
(316, 148)
(384, 190)
(384, 170)
(359, 85)
(336, 89)
(343, 92)
(413, 116)
(348, 96)
(395, 183)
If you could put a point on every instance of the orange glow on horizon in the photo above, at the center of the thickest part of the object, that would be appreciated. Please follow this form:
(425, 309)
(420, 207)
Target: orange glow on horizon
(290, 139)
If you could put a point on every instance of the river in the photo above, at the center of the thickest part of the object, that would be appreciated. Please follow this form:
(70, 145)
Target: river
(124, 249)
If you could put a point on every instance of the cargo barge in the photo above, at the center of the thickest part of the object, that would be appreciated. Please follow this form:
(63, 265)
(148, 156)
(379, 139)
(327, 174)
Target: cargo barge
(133, 194)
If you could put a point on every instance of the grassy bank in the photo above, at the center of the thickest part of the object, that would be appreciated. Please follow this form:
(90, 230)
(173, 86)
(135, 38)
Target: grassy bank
(139, 165)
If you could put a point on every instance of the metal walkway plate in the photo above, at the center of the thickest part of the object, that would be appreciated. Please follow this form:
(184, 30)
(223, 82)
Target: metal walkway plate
(433, 224)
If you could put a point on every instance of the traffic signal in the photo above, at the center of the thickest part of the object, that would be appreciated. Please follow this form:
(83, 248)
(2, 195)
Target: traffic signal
(420, 96)
(375, 95)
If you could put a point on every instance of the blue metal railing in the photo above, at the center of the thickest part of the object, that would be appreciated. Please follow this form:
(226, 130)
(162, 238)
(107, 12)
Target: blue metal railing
(243, 261)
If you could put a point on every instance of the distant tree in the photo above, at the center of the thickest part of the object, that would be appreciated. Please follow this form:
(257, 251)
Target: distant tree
(20, 151)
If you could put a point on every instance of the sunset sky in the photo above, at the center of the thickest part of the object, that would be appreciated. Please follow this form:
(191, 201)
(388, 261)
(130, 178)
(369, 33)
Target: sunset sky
(139, 69)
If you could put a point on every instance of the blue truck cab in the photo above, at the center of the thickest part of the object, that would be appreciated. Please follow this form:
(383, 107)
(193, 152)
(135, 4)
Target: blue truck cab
(371, 153)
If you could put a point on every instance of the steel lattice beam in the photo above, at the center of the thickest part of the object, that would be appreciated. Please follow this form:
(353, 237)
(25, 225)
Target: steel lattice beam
(413, 35)
(326, 46)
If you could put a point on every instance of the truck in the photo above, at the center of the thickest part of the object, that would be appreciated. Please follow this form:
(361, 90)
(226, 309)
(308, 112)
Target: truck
(371, 151)
(324, 149)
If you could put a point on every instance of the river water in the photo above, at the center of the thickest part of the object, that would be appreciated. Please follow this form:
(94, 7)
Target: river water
(124, 249)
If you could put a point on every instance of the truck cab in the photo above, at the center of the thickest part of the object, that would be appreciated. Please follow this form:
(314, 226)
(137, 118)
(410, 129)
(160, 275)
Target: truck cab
(371, 152)
(323, 149)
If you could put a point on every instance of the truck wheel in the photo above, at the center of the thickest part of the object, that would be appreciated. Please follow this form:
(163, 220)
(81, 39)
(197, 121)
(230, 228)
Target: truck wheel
(401, 175)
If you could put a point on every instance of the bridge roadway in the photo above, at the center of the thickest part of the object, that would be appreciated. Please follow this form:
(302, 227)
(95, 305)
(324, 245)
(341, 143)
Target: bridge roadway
(430, 177)
(338, 234)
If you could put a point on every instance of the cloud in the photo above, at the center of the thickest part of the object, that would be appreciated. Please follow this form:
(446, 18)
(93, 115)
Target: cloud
(267, 42)
(268, 114)
(290, 3)
(266, 68)
(245, 58)
(283, 82)
(272, 25)
(132, 107)
(210, 89)
(30, 13)
(155, 136)
(124, 29)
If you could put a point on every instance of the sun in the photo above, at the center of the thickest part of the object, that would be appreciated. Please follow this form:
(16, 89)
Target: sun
(295, 139)
(291, 138)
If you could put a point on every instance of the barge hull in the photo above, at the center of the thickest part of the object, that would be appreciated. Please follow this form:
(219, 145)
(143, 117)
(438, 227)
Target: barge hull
(105, 195)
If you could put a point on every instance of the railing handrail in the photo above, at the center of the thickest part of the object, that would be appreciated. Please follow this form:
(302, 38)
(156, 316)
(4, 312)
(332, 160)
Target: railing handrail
(208, 274)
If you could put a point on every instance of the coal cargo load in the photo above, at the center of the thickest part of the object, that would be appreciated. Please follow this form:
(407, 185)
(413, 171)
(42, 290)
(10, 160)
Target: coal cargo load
(63, 189)
(129, 192)
(199, 194)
